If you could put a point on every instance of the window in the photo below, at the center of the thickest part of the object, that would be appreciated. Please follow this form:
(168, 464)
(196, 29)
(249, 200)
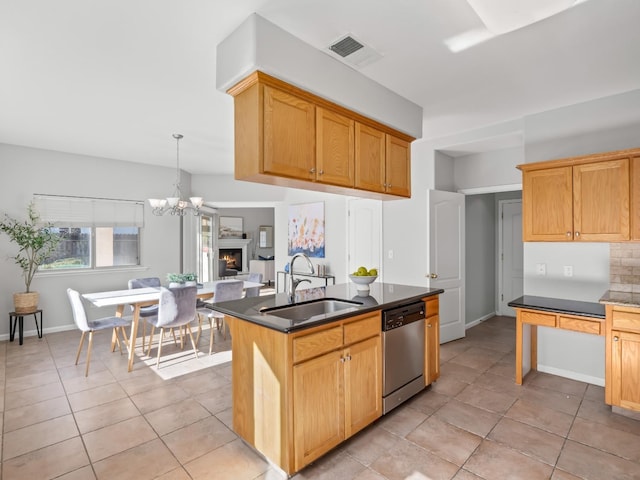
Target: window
(96, 233)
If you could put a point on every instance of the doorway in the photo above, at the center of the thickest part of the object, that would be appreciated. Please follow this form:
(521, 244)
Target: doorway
(510, 259)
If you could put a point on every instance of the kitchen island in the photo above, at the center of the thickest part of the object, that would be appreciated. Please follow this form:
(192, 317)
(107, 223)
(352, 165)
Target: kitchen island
(302, 386)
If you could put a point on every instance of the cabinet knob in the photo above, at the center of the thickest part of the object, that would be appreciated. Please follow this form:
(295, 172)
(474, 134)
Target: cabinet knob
(321, 172)
(568, 234)
(342, 359)
(312, 170)
(577, 234)
(429, 325)
(615, 339)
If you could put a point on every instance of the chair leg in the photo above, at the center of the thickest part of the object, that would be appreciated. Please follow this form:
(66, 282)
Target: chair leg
(160, 347)
(123, 332)
(114, 341)
(150, 339)
(193, 343)
(80, 347)
(86, 371)
(199, 315)
(210, 336)
(144, 335)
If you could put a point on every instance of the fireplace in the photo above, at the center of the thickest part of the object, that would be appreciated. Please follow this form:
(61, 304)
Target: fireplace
(231, 246)
(233, 256)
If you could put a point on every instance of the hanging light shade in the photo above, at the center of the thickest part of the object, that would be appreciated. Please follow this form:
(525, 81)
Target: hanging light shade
(175, 205)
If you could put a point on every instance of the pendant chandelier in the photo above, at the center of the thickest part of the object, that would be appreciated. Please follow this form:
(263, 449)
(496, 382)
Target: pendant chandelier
(175, 205)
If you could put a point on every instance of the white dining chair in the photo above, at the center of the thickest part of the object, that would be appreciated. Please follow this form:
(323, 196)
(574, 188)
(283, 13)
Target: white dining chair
(149, 310)
(253, 291)
(222, 292)
(176, 308)
(85, 325)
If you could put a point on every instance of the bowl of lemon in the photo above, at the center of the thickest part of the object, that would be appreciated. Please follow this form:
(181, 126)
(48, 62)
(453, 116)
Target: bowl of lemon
(363, 278)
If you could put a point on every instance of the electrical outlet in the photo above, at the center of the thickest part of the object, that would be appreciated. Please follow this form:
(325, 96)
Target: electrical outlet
(390, 254)
(568, 271)
(541, 268)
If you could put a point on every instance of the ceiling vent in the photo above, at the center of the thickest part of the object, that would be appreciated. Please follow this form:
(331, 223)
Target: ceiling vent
(352, 51)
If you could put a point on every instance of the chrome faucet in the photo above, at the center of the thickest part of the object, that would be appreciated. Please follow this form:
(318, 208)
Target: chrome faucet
(292, 283)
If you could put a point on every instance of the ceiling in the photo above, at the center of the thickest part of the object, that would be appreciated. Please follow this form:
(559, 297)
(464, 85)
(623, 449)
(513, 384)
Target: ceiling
(117, 78)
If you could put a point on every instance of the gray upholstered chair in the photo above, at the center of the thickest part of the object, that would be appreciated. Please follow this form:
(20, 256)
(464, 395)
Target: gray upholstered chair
(253, 291)
(85, 325)
(150, 310)
(177, 307)
(222, 292)
(223, 272)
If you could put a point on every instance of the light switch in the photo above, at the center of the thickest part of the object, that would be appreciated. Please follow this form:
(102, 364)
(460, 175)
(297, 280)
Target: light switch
(568, 271)
(390, 254)
(541, 268)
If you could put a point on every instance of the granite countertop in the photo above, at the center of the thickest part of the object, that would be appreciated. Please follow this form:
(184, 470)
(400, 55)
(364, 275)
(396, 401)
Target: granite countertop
(627, 299)
(559, 305)
(381, 296)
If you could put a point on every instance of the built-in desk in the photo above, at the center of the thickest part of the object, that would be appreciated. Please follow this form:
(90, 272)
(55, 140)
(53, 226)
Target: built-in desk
(584, 317)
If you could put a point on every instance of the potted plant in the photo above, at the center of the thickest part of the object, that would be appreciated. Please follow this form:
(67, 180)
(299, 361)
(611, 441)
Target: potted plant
(35, 244)
(175, 279)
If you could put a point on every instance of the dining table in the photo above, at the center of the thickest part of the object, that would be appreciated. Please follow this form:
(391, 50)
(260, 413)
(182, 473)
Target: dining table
(142, 297)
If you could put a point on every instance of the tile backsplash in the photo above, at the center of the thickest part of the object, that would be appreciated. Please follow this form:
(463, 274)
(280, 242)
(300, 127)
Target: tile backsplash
(624, 267)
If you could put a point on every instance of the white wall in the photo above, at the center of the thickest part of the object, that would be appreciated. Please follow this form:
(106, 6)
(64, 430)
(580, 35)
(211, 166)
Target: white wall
(26, 171)
(489, 169)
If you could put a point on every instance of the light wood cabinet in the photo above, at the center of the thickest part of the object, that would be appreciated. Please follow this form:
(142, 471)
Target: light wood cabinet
(432, 341)
(289, 137)
(622, 352)
(587, 202)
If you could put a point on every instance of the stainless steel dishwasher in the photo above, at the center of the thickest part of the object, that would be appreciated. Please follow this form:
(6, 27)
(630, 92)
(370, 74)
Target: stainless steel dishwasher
(403, 354)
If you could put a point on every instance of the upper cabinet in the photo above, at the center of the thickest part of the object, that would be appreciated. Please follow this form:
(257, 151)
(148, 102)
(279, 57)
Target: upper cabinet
(588, 199)
(289, 137)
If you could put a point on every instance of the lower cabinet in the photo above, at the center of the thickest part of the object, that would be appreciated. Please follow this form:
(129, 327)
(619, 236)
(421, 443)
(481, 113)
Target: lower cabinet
(625, 370)
(334, 396)
(432, 341)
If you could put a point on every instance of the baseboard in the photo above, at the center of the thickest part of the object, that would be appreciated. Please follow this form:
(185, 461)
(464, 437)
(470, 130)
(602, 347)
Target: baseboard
(580, 377)
(478, 321)
(34, 332)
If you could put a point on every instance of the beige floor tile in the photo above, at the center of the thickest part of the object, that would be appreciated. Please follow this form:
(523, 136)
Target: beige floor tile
(601, 413)
(504, 369)
(336, 464)
(107, 414)
(96, 396)
(592, 464)
(427, 401)
(459, 372)
(594, 393)
(499, 383)
(33, 437)
(197, 439)
(370, 443)
(451, 443)
(232, 461)
(401, 421)
(159, 397)
(32, 380)
(466, 475)
(559, 401)
(368, 474)
(452, 349)
(95, 379)
(559, 384)
(495, 461)
(48, 462)
(203, 382)
(84, 473)
(617, 442)
(33, 395)
(468, 417)
(216, 401)
(144, 462)
(173, 417)
(531, 441)
(408, 460)
(541, 417)
(117, 438)
(176, 474)
(560, 475)
(28, 415)
(486, 399)
(449, 386)
(478, 358)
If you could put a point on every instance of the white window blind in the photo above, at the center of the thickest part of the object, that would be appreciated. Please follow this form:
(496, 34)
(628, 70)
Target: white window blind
(89, 212)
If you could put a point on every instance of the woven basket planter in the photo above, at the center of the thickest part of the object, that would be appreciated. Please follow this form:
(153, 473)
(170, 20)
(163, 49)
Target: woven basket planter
(25, 302)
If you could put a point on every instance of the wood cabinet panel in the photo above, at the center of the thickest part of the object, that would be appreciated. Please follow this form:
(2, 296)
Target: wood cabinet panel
(432, 355)
(289, 134)
(369, 158)
(601, 201)
(318, 396)
(581, 325)
(362, 329)
(314, 344)
(363, 384)
(626, 319)
(634, 214)
(539, 318)
(398, 166)
(625, 370)
(335, 148)
(547, 205)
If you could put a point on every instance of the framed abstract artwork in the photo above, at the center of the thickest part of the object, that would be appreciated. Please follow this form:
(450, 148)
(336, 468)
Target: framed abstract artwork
(306, 229)
(230, 227)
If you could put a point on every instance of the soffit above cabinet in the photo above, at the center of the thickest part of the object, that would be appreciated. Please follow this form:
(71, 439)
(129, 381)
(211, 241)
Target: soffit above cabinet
(258, 44)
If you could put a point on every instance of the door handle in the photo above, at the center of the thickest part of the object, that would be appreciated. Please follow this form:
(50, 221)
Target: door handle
(433, 275)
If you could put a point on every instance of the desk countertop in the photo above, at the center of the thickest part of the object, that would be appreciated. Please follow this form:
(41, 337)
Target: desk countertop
(559, 305)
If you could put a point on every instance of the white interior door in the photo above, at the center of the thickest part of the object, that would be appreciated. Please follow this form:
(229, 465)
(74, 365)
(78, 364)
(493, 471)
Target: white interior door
(446, 259)
(365, 234)
(510, 278)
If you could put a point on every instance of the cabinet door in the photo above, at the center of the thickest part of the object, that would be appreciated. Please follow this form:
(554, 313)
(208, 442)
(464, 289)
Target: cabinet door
(634, 214)
(363, 384)
(335, 150)
(289, 135)
(625, 369)
(318, 399)
(547, 205)
(601, 201)
(398, 166)
(370, 158)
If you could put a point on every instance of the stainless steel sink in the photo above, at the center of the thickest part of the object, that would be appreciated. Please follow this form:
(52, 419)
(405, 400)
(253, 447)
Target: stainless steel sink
(307, 310)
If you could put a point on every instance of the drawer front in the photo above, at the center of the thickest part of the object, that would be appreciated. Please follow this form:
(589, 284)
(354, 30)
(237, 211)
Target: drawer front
(432, 307)
(581, 325)
(314, 344)
(538, 318)
(626, 320)
(366, 328)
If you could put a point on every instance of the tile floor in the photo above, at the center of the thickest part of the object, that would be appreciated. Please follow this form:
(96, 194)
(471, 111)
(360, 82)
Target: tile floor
(474, 423)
